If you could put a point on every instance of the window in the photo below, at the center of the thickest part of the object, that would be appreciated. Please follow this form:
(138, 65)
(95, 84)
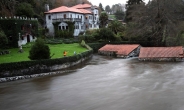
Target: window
(63, 27)
(66, 27)
(64, 15)
(49, 17)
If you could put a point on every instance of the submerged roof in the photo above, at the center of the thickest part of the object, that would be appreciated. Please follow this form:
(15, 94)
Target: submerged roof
(124, 49)
(161, 52)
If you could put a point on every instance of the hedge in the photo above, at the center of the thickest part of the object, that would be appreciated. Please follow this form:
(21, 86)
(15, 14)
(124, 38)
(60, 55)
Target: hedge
(49, 62)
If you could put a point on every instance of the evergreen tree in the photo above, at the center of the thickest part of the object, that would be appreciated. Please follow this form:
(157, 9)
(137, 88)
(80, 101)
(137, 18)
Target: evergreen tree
(129, 7)
(119, 15)
(25, 9)
(160, 21)
(3, 40)
(103, 19)
(39, 50)
(108, 9)
(101, 7)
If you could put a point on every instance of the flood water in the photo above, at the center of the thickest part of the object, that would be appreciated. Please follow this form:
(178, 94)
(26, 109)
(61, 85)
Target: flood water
(103, 83)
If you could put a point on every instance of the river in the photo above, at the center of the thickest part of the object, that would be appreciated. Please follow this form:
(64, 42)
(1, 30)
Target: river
(103, 83)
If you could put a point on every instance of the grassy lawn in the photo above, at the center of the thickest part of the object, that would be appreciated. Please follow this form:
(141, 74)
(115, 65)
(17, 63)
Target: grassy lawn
(112, 17)
(57, 50)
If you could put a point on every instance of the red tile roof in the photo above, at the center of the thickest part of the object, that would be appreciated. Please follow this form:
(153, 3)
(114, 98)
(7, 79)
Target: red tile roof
(69, 9)
(82, 6)
(85, 11)
(161, 52)
(64, 9)
(124, 49)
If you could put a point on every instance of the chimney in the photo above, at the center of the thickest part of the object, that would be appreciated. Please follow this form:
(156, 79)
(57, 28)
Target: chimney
(46, 7)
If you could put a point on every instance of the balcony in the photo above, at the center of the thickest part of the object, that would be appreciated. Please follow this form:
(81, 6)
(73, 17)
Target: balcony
(67, 19)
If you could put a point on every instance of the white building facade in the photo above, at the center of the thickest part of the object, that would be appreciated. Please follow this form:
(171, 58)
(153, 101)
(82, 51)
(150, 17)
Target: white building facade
(84, 16)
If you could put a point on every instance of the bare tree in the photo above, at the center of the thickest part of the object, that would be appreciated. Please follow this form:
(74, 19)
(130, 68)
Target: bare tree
(159, 21)
(7, 7)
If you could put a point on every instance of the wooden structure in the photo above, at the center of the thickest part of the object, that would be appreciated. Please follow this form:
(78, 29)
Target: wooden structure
(161, 54)
(123, 50)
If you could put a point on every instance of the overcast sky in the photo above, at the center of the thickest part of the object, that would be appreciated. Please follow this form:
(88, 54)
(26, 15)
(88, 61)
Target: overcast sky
(109, 2)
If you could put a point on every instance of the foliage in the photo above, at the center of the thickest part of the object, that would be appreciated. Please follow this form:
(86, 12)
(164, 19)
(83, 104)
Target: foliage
(39, 50)
(12, 28)
(29, 65)
(24, 9)
(108, 9)
(3, 40)
(96, 46)
(101, 7)
(103, 19)
(130, 8)
(116, 26)
(56, 49)
(119, 15)
(7, 7)
(64, 33)
(157, 21)
(105, 34)
(83, 43)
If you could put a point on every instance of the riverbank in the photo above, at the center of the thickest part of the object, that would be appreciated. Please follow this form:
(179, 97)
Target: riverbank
(41, 69)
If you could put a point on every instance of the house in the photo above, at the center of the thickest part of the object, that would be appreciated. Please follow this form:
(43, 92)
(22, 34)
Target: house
(19, 30)
(84, 16)
(123, 50)
(161, 53)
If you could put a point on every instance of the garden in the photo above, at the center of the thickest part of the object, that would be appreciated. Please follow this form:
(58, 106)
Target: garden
(56, 51)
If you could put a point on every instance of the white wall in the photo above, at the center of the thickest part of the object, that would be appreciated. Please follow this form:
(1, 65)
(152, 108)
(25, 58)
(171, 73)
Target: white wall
(93, 25)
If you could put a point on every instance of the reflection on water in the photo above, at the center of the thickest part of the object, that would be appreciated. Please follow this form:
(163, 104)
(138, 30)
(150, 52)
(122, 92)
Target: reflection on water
(103, 83)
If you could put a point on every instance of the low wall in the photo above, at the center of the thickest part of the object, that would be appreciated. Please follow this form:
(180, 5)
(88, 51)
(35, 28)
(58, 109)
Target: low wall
(43, 70)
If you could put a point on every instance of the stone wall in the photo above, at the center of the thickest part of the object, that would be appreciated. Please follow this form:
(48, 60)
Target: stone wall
(41, 69)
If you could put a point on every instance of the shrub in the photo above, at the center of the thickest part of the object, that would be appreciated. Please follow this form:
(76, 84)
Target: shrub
(3, 40)
(39, 50)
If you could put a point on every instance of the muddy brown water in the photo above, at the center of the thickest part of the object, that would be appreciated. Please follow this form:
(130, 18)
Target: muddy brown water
(103, 83)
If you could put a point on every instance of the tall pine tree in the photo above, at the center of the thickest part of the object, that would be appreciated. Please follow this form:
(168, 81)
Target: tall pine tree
(101, 7)
(129, 7)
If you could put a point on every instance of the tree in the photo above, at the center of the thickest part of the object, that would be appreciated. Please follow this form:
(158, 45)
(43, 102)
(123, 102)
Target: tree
(119, 15)
(103, 19)
(130, 7)
(7, 7)
(108, 9)
(158, 22)
(3, 40)
(39, 50)
(106, 34)
(24, 9)
(101, 7)
(117, 7)
(116, 26)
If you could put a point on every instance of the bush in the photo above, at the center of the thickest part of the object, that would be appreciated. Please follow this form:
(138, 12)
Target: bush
(3, 40)
(39, 50)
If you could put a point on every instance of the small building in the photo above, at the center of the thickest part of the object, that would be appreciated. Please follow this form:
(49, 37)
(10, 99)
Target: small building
(123, 50)
(19, 30)
(161, 53)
